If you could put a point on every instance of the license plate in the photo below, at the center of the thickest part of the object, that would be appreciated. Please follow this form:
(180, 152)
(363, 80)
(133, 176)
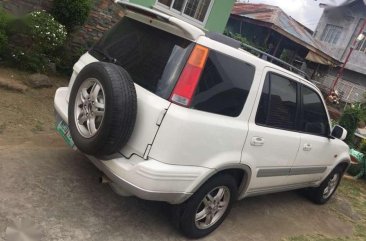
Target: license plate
(63, 129)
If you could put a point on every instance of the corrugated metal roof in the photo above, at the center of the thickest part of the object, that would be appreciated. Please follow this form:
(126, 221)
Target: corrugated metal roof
(281, 23)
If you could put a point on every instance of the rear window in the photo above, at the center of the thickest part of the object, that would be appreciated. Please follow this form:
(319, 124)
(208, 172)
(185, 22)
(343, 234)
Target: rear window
(154, 58)
(224, 85)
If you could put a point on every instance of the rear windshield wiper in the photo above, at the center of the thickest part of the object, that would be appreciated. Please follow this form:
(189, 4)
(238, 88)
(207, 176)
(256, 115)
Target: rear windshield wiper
(106, 56)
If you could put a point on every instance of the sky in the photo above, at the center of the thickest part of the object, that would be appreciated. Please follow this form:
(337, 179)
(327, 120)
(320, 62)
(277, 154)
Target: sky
(306, 12)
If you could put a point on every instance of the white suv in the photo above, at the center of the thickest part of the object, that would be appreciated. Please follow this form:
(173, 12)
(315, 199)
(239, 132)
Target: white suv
(172, 114)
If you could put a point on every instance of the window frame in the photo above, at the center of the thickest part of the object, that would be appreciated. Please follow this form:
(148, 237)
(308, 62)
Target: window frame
(327, 134)
(298, 106)
(335, 33)
(361, 44)
(177, 13)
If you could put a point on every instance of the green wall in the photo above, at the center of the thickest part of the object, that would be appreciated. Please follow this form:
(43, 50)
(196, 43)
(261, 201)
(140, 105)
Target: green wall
(219, 15)
(218, 18)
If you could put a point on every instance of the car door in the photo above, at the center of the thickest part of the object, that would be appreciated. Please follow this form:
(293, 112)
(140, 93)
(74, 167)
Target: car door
(316, 152)
(273, 142)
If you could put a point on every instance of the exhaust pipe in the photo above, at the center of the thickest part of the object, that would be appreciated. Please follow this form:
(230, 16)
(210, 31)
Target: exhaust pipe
(104, 180)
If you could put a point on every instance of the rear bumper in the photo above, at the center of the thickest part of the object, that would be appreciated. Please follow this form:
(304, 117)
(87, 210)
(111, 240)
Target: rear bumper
(60, 103)
(146, 179)
(151, 179)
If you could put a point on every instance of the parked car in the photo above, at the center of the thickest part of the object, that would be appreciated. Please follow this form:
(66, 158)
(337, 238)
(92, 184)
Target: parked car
(171, 113)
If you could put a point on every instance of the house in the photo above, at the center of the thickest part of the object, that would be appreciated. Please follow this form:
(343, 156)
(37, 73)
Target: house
(210, 15)
(269, 28)
(338, 28)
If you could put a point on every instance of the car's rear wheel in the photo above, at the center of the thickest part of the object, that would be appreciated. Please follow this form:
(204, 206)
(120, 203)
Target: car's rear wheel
(102, 109)
(208, 207)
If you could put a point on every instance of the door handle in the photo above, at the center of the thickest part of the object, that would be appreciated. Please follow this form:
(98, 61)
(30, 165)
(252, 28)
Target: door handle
(307, 147)
(257, 141)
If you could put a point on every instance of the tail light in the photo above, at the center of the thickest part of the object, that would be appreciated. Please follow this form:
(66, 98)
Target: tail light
(188, 81)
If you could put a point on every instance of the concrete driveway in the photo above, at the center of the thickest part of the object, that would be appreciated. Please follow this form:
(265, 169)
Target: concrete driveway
(44, 181)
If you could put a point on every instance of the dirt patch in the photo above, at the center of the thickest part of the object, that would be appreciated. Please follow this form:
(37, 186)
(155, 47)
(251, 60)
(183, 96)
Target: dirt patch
(10, 84)
(30, 112)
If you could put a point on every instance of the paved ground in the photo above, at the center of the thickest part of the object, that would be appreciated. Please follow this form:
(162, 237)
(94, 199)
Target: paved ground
(44, 181)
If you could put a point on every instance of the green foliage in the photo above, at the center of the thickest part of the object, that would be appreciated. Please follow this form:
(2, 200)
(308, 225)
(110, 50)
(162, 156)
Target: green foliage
(35, 39)
(4, 18)
(362, 147)
(333, 123)
(46, 32)
(245, 41)
(71, 13)
(351, 116)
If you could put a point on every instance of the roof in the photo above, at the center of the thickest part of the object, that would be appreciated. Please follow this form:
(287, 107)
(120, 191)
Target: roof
(279, 21)
(344, 3)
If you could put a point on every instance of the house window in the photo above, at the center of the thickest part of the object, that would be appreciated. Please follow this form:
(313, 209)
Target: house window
(331, 34)
(196, 9)
(361, 46)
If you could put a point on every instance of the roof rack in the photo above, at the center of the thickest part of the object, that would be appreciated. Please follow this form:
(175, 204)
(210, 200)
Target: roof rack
(283, 63)
(237, 44)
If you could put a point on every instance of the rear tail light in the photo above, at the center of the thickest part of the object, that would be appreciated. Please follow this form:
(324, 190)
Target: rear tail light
(188, 81)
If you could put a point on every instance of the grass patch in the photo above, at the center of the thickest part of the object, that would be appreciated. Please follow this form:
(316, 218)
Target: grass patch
(38, 127)
(355, 192)
(2, 128)
(316, 237)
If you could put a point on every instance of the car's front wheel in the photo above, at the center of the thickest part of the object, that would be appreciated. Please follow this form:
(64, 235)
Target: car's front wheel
(327, 188)
(208, 207)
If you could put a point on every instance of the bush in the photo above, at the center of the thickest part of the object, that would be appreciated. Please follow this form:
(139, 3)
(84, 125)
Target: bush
(35, 39)
(71, 13)
(46, 32)
(363, 147)
(4, 18)
(349, 120)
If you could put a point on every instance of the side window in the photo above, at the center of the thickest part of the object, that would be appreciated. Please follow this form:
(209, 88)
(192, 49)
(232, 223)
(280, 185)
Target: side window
(224, 85)
(278, 104)
(314, 119)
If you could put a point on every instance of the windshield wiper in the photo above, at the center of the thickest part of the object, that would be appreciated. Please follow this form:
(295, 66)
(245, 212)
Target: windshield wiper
(106, 56)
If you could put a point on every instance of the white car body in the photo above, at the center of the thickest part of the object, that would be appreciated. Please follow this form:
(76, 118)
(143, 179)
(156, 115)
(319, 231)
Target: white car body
(174, 150)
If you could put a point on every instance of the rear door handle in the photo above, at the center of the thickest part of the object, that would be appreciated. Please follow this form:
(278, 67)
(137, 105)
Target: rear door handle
(307, 147)
(257, 141)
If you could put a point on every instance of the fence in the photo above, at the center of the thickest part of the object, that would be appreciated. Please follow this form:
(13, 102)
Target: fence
(348, 91)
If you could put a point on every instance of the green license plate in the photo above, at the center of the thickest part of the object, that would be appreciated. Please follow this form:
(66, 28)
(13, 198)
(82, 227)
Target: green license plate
(63, 129)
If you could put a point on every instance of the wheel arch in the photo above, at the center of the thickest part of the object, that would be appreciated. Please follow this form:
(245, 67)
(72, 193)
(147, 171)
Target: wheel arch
(344, 164)
(241, 173)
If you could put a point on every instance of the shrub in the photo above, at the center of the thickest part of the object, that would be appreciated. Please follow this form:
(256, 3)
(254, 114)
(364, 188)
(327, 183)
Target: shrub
(4, 18)
(363, 147)
(71, 13)
(47, 33)
(351, 116)
(35, 39)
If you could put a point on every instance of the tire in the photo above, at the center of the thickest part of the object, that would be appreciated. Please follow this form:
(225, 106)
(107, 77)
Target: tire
(102, 109)
(322, 194)
(186, 212)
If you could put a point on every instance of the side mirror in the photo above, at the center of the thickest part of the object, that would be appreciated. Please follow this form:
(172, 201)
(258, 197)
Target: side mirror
(339, 132)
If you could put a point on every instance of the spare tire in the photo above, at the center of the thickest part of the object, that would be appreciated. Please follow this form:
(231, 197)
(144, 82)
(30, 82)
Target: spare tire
(102, 109)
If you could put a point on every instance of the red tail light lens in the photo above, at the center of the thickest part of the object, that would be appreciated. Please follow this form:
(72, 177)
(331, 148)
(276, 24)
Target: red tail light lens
(188, 81)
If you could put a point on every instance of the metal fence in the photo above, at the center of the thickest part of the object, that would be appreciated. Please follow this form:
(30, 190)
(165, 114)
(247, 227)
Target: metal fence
(348, 91)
